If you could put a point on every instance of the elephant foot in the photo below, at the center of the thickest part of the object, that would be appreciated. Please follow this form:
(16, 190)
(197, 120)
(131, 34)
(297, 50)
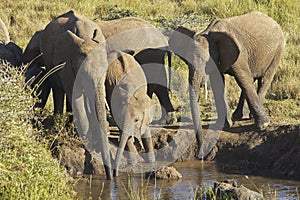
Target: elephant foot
(263, 123)
(132, 158)
(237, 115)
(222, 125)
(171, 118)
(150, 157)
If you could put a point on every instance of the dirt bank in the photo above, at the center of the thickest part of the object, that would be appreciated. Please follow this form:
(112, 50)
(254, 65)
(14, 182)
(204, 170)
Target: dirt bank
(274, 151)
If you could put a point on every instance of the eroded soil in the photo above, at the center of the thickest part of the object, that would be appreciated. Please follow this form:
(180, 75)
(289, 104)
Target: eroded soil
(242, 149)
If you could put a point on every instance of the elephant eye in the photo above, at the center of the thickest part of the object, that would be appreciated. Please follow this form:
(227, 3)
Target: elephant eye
(136, 120)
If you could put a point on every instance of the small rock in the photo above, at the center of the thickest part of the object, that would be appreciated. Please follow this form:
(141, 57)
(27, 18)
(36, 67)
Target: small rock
(165, 173)
(229, 189)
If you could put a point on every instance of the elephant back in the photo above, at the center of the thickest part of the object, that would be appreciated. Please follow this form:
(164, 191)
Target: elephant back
(123, 66)
(131, 33)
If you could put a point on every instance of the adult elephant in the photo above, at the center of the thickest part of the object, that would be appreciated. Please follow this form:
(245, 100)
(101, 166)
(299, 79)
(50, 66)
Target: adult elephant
(247, 47)
(125, 34)
(33, 56)
(129, 104)
(72, 40)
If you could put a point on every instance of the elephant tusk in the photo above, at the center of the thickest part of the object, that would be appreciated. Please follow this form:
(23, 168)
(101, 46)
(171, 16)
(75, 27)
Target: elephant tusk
(106, 105)
(206, 91)
(33, 61)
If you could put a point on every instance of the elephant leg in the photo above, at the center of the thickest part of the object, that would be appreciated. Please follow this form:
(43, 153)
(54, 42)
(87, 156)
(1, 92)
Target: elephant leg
(242, 109)
(168, 111)
(238, 113)
(218, 88)
(150, 89)
(132, 151)
(148, 145)
(69, 110)
(265, 81)
(246, 83)
(43, 94)
(58, 99)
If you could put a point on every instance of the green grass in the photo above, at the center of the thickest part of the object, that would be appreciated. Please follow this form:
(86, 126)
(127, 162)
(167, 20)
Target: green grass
(27, 168)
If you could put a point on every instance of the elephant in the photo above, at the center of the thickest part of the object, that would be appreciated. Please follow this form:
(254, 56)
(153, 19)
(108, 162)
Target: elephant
(149, 46)
(11, 53)
(247, 47)
(33, 57)
(129, 104)
(76, 44)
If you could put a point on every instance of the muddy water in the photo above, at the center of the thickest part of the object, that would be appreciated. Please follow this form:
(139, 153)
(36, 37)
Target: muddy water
(194, 173)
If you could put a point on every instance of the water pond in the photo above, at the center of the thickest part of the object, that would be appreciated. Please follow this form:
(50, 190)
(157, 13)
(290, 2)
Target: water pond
(194, 173)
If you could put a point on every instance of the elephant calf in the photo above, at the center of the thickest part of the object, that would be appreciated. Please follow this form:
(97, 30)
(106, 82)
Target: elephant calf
(131, 107)
(150, 47)
(11, 53)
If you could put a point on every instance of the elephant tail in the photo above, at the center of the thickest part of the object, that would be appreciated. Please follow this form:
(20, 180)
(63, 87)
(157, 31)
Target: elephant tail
(169, 54)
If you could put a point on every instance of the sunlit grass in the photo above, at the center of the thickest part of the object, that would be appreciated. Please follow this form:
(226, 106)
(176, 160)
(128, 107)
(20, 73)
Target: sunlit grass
(27, 168)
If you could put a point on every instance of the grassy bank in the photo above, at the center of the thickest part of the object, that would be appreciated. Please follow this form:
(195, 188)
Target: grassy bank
(27, 169)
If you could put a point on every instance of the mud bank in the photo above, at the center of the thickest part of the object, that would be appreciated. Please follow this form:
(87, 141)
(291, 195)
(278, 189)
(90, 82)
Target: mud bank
(273, 152)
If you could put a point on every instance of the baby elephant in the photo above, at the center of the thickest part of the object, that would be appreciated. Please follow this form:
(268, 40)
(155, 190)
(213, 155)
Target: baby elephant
(11, 53)
(130, 106)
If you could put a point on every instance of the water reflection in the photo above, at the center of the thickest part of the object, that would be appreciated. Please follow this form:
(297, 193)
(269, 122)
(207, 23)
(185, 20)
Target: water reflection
(194, 173)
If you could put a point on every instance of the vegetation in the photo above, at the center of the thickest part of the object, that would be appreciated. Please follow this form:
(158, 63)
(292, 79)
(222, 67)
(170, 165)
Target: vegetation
(27, 168)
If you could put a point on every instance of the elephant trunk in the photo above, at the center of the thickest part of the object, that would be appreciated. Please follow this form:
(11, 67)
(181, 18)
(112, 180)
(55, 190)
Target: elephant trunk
(194, 91)
(127, 129)
(101, 110)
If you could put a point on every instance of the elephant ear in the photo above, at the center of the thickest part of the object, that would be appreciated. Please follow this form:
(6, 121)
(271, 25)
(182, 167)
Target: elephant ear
(228, 49)
(186, 31)
(33, 48)
(180, 40)
(65, 49)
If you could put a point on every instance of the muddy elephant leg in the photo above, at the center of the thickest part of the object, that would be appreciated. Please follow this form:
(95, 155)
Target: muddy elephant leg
(148, 145)
(218, 88)
(246, 84)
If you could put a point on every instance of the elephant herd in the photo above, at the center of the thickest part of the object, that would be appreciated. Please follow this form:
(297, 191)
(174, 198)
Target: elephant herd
(118, 65)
